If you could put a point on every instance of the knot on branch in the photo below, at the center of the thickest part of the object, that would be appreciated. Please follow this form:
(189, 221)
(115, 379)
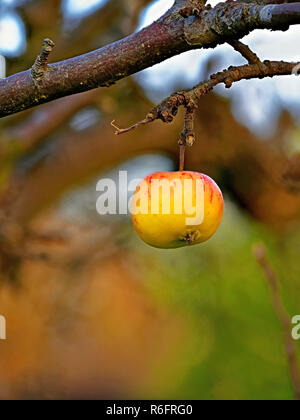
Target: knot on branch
(228, 77)
(40, 66)
(194, 9)
(168, 109)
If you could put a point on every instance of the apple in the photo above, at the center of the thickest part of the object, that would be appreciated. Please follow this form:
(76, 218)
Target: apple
(176, 209)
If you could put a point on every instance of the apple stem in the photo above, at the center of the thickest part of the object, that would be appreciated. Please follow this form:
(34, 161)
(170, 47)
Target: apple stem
(181, 158)
(187, 136)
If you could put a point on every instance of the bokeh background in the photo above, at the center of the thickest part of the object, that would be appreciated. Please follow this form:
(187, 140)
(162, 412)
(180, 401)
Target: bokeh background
(91, 311)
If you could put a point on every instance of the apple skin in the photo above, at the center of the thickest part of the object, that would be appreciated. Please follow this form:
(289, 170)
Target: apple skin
(171, 230)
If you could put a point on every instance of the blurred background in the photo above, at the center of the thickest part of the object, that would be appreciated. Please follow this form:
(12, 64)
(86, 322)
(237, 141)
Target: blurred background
(92, 312)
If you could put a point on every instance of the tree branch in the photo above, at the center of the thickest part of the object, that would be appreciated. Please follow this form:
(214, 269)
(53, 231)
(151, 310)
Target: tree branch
(169, 36)
(265, 2)
(167, 110)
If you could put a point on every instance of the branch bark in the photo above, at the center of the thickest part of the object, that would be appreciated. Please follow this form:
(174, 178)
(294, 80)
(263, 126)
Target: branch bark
(170, 35)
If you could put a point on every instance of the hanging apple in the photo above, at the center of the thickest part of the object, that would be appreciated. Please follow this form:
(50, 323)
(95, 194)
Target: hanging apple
(176, 209)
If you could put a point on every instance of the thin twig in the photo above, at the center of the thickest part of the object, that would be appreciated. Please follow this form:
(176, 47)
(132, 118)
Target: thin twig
(260, 255)
(55, 238)
(165, 111)
(119, 130)
(245, 51)
(40, 66)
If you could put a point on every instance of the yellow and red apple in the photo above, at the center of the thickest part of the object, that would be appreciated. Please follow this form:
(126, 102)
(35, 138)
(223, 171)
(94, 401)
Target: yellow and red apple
(187, 213)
